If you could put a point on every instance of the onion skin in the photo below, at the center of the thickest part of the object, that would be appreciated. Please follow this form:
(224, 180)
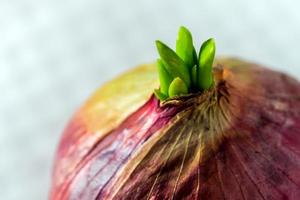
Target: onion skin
(238, 140)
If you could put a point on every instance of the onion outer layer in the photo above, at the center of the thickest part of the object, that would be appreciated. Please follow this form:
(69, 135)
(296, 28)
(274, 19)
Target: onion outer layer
(239, 140)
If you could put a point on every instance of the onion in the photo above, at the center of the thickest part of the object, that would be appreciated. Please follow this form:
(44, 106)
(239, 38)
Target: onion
(238, 139)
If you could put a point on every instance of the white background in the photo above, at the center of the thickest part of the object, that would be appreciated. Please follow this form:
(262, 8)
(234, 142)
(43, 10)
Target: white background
(54, 53)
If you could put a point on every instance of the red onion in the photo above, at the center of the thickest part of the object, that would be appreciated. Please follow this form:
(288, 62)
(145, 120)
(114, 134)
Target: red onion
(238, 139)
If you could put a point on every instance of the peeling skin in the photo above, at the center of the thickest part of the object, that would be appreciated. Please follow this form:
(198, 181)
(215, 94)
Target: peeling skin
(238, 140)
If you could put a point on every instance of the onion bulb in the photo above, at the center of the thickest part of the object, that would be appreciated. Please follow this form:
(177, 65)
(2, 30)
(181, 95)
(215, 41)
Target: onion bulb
(203, 128)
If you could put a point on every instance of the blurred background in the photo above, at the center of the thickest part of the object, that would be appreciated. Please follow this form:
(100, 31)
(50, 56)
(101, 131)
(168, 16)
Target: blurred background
(54, 54)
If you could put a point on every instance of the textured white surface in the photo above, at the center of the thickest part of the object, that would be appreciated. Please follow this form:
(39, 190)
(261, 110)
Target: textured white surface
(53, 54)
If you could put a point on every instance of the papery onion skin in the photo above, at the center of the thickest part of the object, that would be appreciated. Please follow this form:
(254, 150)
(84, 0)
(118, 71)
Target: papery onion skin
(239, 140)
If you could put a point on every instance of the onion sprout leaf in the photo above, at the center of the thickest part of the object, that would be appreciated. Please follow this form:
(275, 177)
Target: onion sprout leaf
(173, 63)
(206, 59)
(177, 87)
(185, 48)
(165, 78)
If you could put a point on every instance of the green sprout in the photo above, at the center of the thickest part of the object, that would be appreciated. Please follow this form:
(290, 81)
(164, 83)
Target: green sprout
(182, 72)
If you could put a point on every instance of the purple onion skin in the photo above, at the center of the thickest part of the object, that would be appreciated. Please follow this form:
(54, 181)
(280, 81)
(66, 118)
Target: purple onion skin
(238, 140)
